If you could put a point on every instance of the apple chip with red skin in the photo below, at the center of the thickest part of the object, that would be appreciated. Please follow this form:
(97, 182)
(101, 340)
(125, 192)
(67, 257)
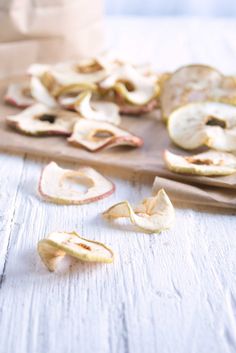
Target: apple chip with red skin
(95, 135)
(19, 95)
(40, 120)
(59, 244)
(153, 215)
(210, 163)
(56, 185)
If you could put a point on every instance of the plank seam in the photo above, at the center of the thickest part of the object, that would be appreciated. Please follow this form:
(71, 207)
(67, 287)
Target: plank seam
(2, 276)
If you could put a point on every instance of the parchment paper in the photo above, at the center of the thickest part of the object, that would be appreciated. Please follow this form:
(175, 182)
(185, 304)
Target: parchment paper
(146, 161)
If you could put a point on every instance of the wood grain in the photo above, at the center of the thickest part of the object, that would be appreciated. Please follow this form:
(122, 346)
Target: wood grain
(173, 292)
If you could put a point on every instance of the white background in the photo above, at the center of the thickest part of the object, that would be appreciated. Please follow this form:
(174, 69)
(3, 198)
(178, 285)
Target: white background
(172, 7)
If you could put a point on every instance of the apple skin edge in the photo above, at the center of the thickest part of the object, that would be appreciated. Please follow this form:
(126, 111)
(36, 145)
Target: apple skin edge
(68, 202)
(9, 100)
(15, 125)
(132, 141)
(38, 134)
(136, 110)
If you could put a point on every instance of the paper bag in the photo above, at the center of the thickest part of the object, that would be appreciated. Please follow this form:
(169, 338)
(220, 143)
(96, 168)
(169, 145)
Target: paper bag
(48, 31)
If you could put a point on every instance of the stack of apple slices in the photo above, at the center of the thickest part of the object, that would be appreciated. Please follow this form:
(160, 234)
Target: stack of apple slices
(198, 104)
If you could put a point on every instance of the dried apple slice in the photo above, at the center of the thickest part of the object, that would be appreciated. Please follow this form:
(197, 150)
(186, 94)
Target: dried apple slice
(91, 70)
(58, 244)
(60, 79)
(93, 110)
(208, 163)
(56, 185)
(209, 123)
(132, 85)
(153, 215)
(41, 94)
(41, 120)
(69, 95)
(96, 135)
(19, 95)
(136, 110)
(194, 83)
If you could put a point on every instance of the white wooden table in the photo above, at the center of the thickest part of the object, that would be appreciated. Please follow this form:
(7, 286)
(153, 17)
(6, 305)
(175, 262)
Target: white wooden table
(173, 292)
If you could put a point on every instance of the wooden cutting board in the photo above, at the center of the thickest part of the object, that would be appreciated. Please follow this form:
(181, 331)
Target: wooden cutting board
(147, 160)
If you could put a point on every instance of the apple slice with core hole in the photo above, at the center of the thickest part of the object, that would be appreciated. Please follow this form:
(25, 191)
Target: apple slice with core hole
(40, 120)
(58, 185)
(95, 135)
(212, 124)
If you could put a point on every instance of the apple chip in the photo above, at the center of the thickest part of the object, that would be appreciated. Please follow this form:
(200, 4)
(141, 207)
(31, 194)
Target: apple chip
(58, 185)
(95, 135)
(153, 215)
(136, 88)
(211, 124)
(208, 163)
(194, 83)
(91, 70)
(41, 120)
(59, 244)
(93, 110)
(19, 95)
(41, 94)
(60, 78)
(136, 110)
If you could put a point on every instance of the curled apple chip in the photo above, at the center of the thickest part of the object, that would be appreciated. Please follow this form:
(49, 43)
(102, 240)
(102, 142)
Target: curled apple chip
(195, 83)
(153, 215)
(96, 135)
(128, 82)
(212, 124)
(94, 110)
(19, 95)
(59, 244)
(58, 185)
(207, 163)
(41, 94)
(41, 120)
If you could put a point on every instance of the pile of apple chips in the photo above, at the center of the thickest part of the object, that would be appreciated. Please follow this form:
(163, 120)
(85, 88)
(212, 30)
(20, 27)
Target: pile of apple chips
(83, 101)
(198, 105)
